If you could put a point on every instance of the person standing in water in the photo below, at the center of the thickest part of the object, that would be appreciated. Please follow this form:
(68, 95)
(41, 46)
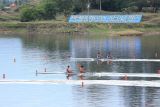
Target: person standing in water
(81, 68)
(68, 70)
(82, 71)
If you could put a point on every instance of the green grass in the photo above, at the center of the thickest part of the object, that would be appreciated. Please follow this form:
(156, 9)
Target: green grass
(9, 16)
(150, 23)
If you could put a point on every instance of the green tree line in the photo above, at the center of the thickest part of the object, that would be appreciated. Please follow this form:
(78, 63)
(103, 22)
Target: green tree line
(47, 9)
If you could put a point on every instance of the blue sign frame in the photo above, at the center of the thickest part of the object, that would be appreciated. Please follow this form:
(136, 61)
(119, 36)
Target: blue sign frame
(105, 19)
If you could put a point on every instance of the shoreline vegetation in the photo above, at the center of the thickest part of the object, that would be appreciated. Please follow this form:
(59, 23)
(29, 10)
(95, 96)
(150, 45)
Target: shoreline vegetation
(150, 25)
(49, 16)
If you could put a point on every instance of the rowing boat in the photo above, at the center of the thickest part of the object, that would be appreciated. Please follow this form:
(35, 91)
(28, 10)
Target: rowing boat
(105, 74)
(56, 73)
(115, 60)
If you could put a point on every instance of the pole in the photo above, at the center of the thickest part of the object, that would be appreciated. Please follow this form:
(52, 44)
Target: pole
(100, 6)
(17, 1)
(88, 6)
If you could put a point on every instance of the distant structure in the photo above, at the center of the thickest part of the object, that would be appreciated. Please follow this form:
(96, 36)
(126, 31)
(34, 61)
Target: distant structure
(12, 4)
(17, 2)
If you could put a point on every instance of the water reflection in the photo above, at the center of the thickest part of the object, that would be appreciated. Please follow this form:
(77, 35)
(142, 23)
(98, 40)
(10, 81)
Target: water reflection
(120, 47)
(112, 96)
(124, 47)
(53, 52)
(140, 97)
(37, 52)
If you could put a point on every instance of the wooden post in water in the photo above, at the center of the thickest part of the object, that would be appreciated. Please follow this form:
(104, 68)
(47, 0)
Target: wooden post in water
(36, 73)
(82, 84)
(14, 60)
(156, 55)
(4, 76)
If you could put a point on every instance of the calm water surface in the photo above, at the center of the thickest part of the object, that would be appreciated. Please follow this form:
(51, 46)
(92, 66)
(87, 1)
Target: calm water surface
(53, 52)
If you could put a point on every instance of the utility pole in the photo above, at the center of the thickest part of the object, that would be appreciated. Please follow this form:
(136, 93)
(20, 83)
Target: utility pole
(100, 6)
(17, 3)
(88, 6)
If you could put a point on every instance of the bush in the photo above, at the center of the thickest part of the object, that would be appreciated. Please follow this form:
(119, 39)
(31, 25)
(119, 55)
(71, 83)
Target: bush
(29, 13)
(45, 10)
(1, 6)
(65, 6)
(49, 10)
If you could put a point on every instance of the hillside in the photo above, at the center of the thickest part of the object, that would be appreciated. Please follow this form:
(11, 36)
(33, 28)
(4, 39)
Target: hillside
(150, 24)
(9, 16)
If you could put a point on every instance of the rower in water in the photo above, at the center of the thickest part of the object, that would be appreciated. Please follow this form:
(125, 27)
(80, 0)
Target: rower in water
(109, 56)
(99, 55)
(81, 69)
(68, 70)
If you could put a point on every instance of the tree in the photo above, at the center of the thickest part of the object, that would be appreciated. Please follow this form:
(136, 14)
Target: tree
(65, 7)
(28, 13)
(44, 10)
(50, 9)
(155, 4)
(140, 4)
(1, 6)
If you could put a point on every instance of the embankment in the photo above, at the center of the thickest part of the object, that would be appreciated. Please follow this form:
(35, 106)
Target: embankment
(150, 25)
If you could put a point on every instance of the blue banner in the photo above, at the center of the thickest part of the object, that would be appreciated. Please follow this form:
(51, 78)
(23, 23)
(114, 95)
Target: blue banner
(105, 19)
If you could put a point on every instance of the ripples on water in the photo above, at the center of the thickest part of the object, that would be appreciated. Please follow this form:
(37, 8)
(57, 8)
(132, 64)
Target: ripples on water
(52, 52)
(76, 96)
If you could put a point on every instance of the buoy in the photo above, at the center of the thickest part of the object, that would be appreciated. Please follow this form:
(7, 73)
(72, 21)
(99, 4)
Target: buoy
(36, 72)
(109, 62)
(125, 77)
(4, 76)
(14, 60)
(78, 65)
(156, 54)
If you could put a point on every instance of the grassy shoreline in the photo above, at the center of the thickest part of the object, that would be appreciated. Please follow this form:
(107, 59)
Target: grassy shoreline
(49, 27)
(150, 25)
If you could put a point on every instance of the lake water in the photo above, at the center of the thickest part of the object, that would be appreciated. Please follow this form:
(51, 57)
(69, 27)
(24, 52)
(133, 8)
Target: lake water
(22, 55)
